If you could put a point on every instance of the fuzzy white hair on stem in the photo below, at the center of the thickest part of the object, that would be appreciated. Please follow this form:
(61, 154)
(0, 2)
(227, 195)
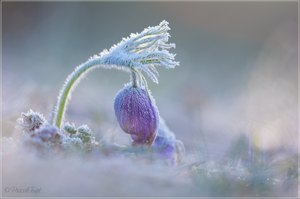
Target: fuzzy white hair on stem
(140, 52)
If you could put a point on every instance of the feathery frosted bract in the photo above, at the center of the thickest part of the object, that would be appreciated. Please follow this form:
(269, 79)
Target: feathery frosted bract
(141, 51)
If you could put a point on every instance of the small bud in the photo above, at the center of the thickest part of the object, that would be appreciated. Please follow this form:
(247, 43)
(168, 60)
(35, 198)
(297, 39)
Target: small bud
(137, 114)
(84, 129)
(167, 146)
(72, 143)
(31, 121)
(164, 147)
(48, 133)
(164, 143)
(85, 133)
(70, 128)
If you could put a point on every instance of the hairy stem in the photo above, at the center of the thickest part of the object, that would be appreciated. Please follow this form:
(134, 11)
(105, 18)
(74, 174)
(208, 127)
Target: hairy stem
(133, 78)
(65, 92)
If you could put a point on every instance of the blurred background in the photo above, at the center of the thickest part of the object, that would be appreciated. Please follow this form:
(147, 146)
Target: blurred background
(234, 95)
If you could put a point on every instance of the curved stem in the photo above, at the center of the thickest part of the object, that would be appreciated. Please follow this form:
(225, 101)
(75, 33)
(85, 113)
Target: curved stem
(68, 87)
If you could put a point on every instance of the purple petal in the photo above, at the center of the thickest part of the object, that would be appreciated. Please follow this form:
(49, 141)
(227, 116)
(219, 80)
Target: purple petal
(136, 114)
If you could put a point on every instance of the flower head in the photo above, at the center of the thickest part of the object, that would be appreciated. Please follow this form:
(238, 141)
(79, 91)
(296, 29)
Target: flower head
(142, 52)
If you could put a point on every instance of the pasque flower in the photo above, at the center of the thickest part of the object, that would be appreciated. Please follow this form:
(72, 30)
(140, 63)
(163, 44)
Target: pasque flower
(141, 52)
(135, 108)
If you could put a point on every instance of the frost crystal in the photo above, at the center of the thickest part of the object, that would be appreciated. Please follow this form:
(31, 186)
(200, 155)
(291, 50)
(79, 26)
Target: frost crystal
(141, 52)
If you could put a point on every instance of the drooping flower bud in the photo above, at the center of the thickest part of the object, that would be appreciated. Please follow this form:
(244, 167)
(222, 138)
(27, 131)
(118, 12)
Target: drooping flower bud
(137, 114)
